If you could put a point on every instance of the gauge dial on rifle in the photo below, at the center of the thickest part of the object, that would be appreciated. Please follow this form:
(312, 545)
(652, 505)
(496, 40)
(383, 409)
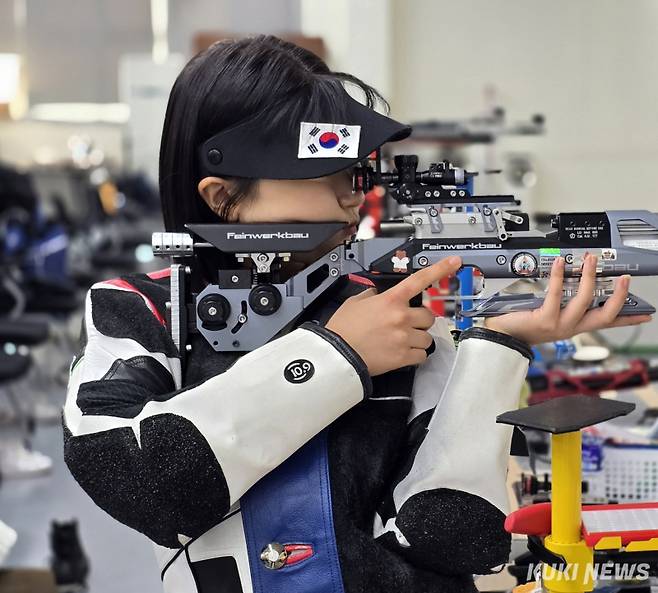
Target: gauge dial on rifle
(524, 264)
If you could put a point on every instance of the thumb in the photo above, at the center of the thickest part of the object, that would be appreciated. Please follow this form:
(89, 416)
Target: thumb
(369, 292)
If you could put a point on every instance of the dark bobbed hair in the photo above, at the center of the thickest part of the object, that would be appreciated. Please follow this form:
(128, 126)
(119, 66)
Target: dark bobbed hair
(263, 78)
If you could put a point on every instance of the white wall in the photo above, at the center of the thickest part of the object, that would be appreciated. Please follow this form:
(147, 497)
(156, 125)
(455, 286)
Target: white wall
(229, 16)
(145, 87)
(72, 47)
(358, 36)
(591, 66)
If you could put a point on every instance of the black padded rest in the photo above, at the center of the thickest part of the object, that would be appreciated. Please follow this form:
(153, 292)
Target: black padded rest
(28, 332)
(566, 414)
(13, 366)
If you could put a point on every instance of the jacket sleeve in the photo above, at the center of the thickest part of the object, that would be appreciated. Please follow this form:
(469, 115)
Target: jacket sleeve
(449, 501)
(169, 460)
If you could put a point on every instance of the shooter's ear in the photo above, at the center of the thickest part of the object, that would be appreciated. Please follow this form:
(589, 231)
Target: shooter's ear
(214, 191)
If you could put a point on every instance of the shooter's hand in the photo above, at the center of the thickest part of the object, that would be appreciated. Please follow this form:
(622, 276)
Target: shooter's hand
(386, 332)
(551, 322)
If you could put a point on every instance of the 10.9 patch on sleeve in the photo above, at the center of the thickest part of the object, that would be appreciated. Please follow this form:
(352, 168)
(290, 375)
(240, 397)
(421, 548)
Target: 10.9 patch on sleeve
(322, 141)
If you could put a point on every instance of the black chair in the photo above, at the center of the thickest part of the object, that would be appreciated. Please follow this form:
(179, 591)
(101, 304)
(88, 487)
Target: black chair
(27, 332)
(13, 366)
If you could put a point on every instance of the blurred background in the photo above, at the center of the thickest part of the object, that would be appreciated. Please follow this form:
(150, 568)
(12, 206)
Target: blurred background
(561, 96)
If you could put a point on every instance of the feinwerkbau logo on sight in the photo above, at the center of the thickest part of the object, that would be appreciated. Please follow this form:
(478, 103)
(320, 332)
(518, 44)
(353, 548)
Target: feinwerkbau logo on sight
(279, 235)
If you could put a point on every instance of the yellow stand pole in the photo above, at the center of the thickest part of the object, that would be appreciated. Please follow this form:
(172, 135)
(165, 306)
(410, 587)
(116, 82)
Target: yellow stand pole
(566, 490)
(565, 538)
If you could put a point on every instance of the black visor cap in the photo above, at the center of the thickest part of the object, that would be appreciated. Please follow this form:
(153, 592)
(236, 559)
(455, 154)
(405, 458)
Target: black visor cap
(241, 151)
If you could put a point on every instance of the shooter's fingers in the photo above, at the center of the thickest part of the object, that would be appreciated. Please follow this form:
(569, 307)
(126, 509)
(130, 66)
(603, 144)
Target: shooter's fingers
(631, 320)
(606, 315)
(616, 300)
(591, 322)
(553, 298)
(416, 356)
(579, 304)
(420, 317)
(364, 294)
(420, 280)
(420, 339)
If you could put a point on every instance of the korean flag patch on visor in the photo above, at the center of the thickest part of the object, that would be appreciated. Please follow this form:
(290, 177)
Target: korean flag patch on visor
(324, 141)
(311, 147)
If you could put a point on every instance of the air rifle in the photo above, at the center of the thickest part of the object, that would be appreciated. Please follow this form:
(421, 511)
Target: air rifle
(253, 301)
